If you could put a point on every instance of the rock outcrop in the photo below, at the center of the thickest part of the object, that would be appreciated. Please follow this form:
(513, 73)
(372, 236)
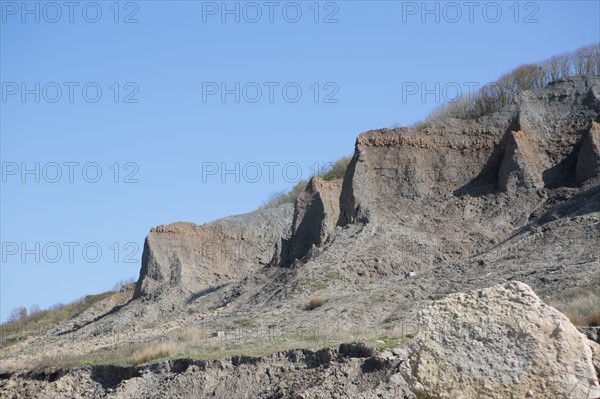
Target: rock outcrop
(443, 193)
(468, 185)
(522, 165)
(588, 160)
(316, 213)
(190, 259)
(499, 342)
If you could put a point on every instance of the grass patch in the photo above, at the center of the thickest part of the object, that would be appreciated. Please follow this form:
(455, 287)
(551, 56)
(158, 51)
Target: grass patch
(41, 321)
(313, 284)
(153, 352)
(581, 305)
(192, 343)
(74, 309)
(385, 342)
(244, 322)
(191, 334)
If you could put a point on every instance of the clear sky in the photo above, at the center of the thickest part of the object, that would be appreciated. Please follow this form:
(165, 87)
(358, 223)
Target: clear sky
(120, 116)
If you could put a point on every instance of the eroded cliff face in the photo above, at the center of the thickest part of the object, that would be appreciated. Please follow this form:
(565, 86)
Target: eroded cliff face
(184, 260)
(455, 187)
(588, 158)
(444, 193)
(504, 152)
(316, 213)
(468, 185)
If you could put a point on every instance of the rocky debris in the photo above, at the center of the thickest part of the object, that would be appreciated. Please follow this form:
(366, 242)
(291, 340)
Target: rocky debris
(327, 373)
(499, 342)
(593, 333)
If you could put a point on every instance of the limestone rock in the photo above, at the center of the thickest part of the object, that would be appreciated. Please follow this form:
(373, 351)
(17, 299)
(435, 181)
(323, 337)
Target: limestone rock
(499, 342)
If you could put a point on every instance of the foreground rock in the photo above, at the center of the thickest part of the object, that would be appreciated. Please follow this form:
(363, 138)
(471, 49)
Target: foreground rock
(499, 342)
(352, 371)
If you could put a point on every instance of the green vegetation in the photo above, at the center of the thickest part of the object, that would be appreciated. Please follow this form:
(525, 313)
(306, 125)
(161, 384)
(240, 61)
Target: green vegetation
(192, 343)
(312, 284)
(153, 352)
(21, 323)
(507, 90)
(385, 342)
(60, 312)
(337, 170)
(244, 322)
(56, 313)
(332, 171)
(283, 197)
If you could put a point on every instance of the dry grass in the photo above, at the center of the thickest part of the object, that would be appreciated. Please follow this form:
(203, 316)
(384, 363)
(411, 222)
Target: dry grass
(593, 319)
(582, 308)
(315, 302)
(192, 334)
(197, 343)
(14, 364)
(123, 355)
(152, 352)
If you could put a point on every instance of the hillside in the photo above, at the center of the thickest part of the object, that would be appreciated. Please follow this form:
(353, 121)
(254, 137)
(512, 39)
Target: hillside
(479, 221)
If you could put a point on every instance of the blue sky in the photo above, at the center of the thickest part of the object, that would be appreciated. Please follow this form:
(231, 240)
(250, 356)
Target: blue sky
(130, 130)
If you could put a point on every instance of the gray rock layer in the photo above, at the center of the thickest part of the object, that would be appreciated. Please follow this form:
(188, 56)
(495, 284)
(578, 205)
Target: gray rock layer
(183, 260)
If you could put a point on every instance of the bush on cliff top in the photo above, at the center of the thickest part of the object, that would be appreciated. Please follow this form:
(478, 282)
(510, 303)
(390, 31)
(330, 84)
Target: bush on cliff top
(332, 171)
(507, 90)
